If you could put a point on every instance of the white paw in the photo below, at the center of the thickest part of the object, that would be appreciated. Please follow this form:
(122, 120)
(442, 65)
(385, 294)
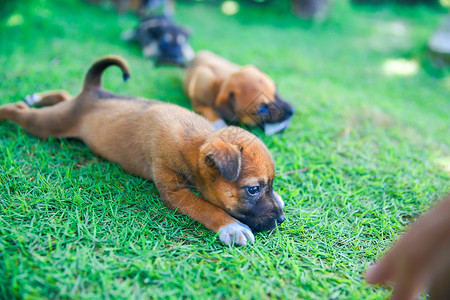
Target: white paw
(32, 99)
(279, 200)
(219, 124)
(236, 233)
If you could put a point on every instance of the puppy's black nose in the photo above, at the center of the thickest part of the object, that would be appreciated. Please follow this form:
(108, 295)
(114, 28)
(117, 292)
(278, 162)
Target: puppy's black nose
(290, 112)
(280, 219)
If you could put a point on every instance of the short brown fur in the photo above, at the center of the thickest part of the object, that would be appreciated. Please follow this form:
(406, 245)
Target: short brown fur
(219, 89)
(161, 142)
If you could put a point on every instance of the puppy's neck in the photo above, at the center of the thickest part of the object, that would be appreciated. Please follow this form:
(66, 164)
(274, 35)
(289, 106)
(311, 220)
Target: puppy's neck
(190, 155)
(215, 88)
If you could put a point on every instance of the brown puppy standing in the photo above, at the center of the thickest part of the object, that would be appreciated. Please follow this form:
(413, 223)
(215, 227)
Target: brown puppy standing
(220, 90)
(177, 149)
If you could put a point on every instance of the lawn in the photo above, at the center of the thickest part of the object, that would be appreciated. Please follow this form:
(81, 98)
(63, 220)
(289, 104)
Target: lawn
(376, 146)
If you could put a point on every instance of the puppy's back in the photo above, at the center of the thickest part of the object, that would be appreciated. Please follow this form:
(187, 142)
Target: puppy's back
(221, 67)
(131, 133)
(204, 76)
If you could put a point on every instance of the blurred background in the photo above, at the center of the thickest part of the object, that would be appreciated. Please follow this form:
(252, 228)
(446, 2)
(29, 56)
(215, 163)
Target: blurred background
(370, 82)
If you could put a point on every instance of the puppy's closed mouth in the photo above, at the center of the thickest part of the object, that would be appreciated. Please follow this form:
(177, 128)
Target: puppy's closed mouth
(257, 226)
(262, 228)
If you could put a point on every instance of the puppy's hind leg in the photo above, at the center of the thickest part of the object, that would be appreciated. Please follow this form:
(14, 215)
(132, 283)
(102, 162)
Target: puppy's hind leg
(47, 98)
(57, 120)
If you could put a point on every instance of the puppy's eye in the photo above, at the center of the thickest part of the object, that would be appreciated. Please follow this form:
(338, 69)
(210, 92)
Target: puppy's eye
(167, 37)
(181, 39)
(253, 190)
(263, 109)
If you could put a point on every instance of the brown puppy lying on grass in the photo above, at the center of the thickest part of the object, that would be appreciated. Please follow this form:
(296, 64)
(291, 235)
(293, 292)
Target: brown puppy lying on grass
(231, 169)
(220, 90)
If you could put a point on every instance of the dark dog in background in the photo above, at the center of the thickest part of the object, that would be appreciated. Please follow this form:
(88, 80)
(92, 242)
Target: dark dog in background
(163, 40)
(158, 35)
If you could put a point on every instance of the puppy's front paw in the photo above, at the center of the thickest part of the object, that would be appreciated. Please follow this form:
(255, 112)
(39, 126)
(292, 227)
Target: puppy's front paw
(219, 124)
(32, 99)
(236, 233)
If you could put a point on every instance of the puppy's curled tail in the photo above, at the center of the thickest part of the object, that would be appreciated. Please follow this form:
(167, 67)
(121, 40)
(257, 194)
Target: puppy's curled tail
(94, 75)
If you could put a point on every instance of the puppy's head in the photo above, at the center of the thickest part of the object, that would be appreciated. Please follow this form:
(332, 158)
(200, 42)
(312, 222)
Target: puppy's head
(174, 47)
(250, 96)
(164, 40)
(237, 171)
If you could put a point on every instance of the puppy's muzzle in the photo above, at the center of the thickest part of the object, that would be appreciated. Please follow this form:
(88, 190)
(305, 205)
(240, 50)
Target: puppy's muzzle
(266, 215)
(280, 219)
(278, 117)
(271, 224)
(171, 54)
(279, 111)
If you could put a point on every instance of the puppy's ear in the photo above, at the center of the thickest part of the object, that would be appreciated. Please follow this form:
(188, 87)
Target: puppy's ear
(250, 67)
(225, 105)
(226, 158)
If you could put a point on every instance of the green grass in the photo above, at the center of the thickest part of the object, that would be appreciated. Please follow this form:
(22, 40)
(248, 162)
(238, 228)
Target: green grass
(75, 226)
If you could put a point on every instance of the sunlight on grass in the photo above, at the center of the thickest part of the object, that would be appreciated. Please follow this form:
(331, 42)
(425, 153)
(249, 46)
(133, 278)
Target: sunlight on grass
(444, 163)
(400, 67)
(397, 28)
(445, 3)
(230, 8)
(389, 35)
(446, 83)
(15, 20)
(43, 12)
